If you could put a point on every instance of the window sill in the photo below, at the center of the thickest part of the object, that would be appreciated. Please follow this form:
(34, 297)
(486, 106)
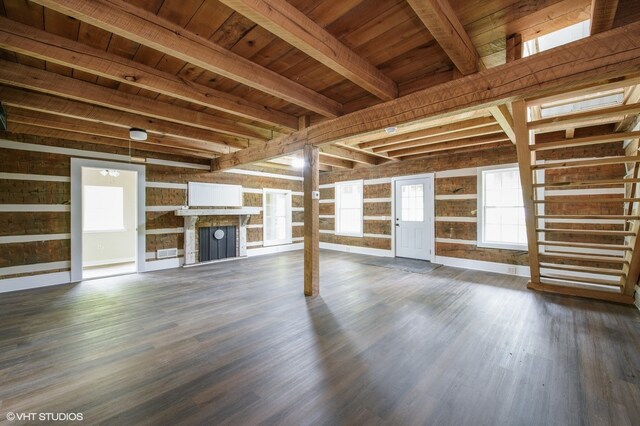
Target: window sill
(503, 246)
(349, 235)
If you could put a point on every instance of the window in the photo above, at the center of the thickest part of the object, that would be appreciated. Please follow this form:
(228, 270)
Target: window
(103, 208)
(501, 221)
(277, 217)
(349, 208)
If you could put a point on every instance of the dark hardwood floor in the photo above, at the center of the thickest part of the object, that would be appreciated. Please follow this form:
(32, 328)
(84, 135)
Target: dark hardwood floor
(238, 343)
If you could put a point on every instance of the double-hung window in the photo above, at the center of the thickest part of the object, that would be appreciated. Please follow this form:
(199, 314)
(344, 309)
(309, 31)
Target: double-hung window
(277, 217)
(501, 222)
(349, 208)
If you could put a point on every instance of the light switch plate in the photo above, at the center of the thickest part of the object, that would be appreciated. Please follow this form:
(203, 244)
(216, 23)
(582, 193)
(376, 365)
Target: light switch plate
(315, 195)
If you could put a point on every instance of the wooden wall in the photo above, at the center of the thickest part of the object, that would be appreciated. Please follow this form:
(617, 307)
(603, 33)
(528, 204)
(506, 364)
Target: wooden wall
(456, 193)
(35, 196)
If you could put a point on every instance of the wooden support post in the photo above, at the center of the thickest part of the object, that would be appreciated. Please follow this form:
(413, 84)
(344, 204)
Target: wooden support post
(311, 221)
(526, 158)
(514, 47)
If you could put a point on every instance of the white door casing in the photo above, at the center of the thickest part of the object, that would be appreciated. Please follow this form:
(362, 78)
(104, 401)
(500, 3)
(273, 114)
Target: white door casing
(414, 217)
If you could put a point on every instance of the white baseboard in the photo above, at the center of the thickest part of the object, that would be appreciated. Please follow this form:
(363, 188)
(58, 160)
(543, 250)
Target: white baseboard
(480, 265)
(357, 250)
(158, 265)
(274, 249)
(109, 261)
(637, 297)
(34, 281)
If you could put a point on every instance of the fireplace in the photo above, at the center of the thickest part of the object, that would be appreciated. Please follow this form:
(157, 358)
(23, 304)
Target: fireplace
(217, 242)
(236, 218)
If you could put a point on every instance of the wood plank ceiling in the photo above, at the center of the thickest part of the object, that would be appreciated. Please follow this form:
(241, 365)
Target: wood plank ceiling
(219, 82)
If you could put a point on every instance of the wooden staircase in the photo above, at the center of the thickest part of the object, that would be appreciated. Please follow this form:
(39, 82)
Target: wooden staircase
(583, 217)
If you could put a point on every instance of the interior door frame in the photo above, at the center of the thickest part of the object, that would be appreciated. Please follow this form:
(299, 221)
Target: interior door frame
(430, 211)
(76, 210)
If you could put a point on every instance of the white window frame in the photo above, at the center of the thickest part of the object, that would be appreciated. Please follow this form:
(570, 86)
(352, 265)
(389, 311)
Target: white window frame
(360, 183)
(289, 238)
(480, 220)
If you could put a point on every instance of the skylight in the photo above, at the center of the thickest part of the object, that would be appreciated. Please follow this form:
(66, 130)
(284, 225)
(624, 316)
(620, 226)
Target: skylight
(557, 38)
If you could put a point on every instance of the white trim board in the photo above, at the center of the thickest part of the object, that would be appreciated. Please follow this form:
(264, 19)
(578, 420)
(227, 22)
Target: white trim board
(252, 191)
(42, 178)
(33, 238)
(456, 219)
(35, 267)
(160, 231)
(162, 208)
(456, 241)
(457, 197)
(166, 185)
(355, 249)
(377, 200)
(469, 171)
(34, 281)
(379, 181)
(382, 236)
(73, 152)
(261, 251)
(481, 265)
(35, 207)
(378, 218)
(262, 174)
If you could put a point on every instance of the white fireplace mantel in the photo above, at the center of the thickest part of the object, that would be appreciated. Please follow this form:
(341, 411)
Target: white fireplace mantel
(191, 217)
(218, 212)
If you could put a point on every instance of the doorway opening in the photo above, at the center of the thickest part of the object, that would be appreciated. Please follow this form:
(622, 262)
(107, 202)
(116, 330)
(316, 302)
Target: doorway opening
(414, 217)
(107, 216)
(108, 222)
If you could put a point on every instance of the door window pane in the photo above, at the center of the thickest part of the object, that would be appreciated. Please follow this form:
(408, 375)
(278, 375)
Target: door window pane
(412, 203)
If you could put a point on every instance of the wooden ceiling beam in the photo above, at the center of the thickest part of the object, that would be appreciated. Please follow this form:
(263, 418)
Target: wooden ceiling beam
(30, 41)
(587, 140)
(335, 162)
(40, 119)
(453, 152)
(441, 21)
(430, 131)
(146, 28)
(18, 75)
(453, 144)
(587, 62)
(603, 13)
(67, 108)
(505, 120)
(291, 25)
(27, 129)
(347, 154)
(461, 134)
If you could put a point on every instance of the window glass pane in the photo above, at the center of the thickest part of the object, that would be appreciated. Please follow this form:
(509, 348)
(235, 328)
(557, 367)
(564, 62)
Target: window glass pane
(277, 214)
(412, 203)
(348, 208)
(502, 210)
(103, 208)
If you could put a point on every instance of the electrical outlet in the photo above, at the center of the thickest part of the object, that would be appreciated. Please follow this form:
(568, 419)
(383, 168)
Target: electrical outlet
(512, 270)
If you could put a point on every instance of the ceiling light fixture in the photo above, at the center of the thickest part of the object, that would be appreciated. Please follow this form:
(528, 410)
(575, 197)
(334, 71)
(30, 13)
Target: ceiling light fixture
(391, 130)
(138, 134)
(297, 163)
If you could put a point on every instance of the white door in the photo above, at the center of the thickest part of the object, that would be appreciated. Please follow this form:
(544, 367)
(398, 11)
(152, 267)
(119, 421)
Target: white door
(414, 217)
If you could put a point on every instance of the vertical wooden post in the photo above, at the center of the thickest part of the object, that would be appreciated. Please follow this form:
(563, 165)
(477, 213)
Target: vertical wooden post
(514, 47)
(311, 221)
(527, 158)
